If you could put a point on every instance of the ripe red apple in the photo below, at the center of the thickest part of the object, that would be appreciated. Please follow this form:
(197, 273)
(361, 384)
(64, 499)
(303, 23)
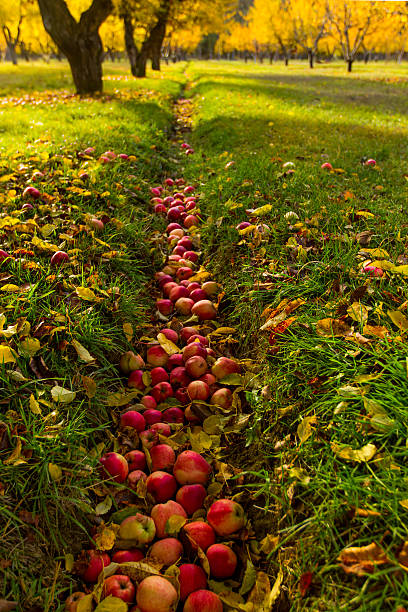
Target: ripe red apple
(138, 528)
(226, 517)
(115, 466)
(163, 279)
(225, 366)
(182, 396)
(191, 256)
(199, 534)
(161, 485)
(177, 234)
(135, 380)
(161, 514)
(203, 601)
(134, 477)
(205, 310)
(191, 416)
(165, 307)
(162, 429)
(167, 551)
(191, 578)
(175, 361)
(190, 221)
(242, 225)
(196, 366)
(198, 338)
(163, 457)
(126, 556)
(133, 419)
(162, 391)
(191, 468)
(131, 361)
(158, 375)
(186, 332)
(373, 270)
(179, 250)
(184, 305)
(222, 397)
(173, 415)
(209, 379)
(170, 335)
(194, 349)
(210, 287)
(149, 438)
(157, 356)
(191, 497)
(149, 402)
(156, 191)
(169, 182)
(31, 192)
(160, 209)
(91, 563)
(184, 272)
(58, 258)
(179, 377)
(167, 287)
(173, 214)
(198, 390)
(222, 559)
(119, 586)
(198, 295)
(173, 226)
(156, 594)
(136, 460)
(71, 603)
(189, 189)
(371, 162)
(152, 416)
(96, 224)
(178, 292)
(327, 166)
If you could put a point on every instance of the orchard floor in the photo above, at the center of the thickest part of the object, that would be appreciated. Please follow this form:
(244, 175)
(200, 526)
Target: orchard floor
(324, 452)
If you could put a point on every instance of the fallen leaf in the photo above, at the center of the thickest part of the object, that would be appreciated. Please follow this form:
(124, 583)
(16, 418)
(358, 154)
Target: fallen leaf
(305, 429)
(112, 604)
(82, 352)
(362, 560)
(29, 347)
(399, 319)
(86, 294)
(89, 385)
(358, 312)
(120, 398)
(85, 604)
(61, 395)
(366, 453)
(34, 405)
(269, 543)
(332, 327)
(167, 345)
(7, 355)
(104, 506)
(128, 331)
(14, 457)
(248, 579)
(305, 582)
(6, 605)
(106, 537)
(55, 471)
(173, 525)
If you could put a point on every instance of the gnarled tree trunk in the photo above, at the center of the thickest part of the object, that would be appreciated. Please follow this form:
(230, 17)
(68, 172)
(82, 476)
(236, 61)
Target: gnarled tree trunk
(78, 41)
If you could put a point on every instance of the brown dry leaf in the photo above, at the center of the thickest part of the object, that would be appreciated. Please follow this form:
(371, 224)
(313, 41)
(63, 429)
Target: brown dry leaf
(399, 319)
(361, 560)
(305, 429)
(261, 593)
(281, 312)
(366, 453)
(363, 512)
(358, 312)
(327, 328)
(106, 536)
(15, 457)
(269, 543)
(376, 330)
(137, 570)
(89, 385)
(6, 606)
(403, 555)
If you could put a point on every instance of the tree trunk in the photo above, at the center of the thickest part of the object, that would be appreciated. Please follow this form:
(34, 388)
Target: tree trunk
(310, 56)
(78, 41)
(11, 43)
(350, 65)
(286, 60)
(130, 46)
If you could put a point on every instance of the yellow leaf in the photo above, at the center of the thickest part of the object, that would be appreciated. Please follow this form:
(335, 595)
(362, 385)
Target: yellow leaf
(61, 395)
(128, 331)
(104, 506)
(332, 327)
(360, 455)
(55, 471)
(120, 398)
(247, 230)
(112, 604)
(167, 345)
(401, 270)
(14, 457)
(47, 229)
(399, 319)
(29, 347)
(263, 210)
(377, 253)
(34, 405)
(7, 355)
(305, 429)
(376, 330)
(89, 385)
(86, 294)
(106, 536)
(83, 354)
(223, 331)
(43, 246)
(201, 276)
(69, 562)
(404, 503)
(358, 312)
(10, 288)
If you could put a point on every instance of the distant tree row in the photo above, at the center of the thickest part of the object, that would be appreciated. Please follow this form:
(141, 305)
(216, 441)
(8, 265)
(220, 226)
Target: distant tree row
(86, 31)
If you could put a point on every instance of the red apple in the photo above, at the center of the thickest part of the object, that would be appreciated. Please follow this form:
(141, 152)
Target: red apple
(115, 466)
(160, 209)
(96, 224)
(157, 356)
(31, 192)
(226, 517)
(203, 601)
(58, 258)
(91, 563)
(71, 603)
(209, 379)
(126, 556)
(161, 514)
(163, 457)
(179, 250)
(170, 335)
(167, 551)
(198, 295)
(167, 287)
(156, 191)
(191, 287)
(222, 397)
(186, 242)
(173, 415)
(205, 310)
(191, 497)
(162, 429)
(136, 460)
(156, 594)
(210, 287)
(119, 586)
(184, 272)
(191, 256)
(242, 225)
(173, 226)
(149, 438)
(371, 162)
(224, 366)
(196, 366)
(175, 361)
(327, 166)
(149, 402)
(198, 390)
(190, 221)
(158, 375)
(191, 578)
(161, 485)
(179, 377)
(184, 305)
(163, 279)
(165, 307)
(222, 559)
(3, 255)
(152, 416)
(173, 214)
(135, 380)
(162, 391)
(197, 338)
(133, 419)
(178, 292)
(138, 528)
(200, 534)
(134, 477)
(187, 332)
(191, 468)
(194, 349)
(182, 396)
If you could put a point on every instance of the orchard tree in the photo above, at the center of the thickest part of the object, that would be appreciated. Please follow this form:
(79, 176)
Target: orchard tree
(12, 14)
(78, 39)
(352, 22)
(276, 18)
(310, 25)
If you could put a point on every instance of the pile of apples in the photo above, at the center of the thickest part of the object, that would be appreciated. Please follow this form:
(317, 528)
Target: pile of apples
(183, 368)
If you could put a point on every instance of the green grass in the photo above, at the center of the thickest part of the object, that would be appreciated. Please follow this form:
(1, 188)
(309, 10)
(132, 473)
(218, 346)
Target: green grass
(260, 117)
(44, 128)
